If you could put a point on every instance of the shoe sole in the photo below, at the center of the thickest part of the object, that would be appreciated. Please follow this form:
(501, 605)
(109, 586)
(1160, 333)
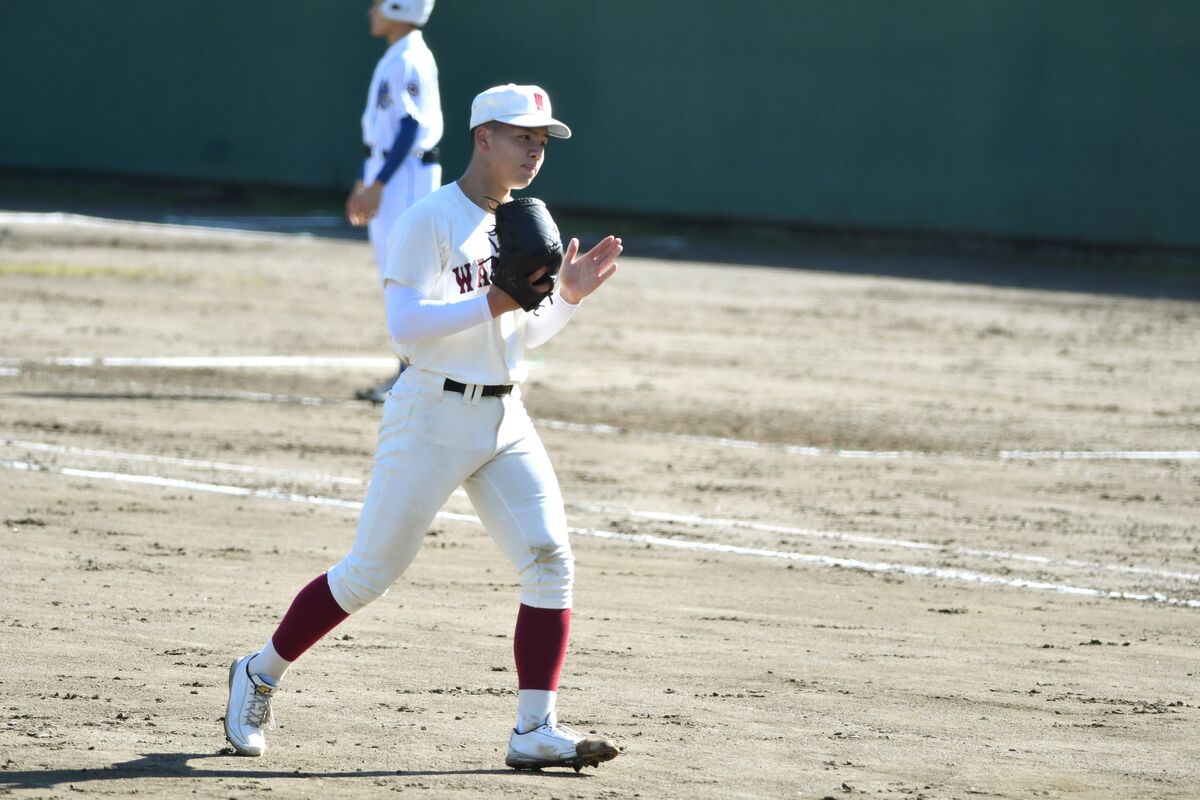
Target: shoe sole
(594, 754)
(225, 722)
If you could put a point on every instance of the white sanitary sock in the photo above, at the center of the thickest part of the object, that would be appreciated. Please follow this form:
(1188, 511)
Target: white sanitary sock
(269, 664)
(534, 707)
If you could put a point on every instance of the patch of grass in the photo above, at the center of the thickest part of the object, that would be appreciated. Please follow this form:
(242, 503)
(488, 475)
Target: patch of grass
(47, 269)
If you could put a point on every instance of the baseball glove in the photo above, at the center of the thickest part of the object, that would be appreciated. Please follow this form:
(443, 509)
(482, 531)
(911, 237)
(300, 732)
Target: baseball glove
(526, 240)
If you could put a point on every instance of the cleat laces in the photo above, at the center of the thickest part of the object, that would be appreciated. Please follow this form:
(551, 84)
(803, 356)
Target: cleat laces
(258, 711)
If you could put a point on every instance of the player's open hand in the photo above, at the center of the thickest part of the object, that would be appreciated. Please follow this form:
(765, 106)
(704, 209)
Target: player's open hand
(581, 275)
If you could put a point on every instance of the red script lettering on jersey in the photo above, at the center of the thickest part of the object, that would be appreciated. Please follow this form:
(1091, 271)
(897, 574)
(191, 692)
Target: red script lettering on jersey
(463, 276)
(467, 274)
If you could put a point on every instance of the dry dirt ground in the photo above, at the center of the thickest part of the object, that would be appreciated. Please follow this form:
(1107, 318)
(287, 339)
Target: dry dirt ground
(837, 536)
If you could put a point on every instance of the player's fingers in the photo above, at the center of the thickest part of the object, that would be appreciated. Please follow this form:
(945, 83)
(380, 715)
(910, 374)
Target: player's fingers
(596, 256)
(572, 251)
(539, 281)
(603, 256)
(611, 247)
(599, 246)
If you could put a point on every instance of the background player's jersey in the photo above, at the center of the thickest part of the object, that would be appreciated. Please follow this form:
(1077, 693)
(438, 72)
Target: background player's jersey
(405, 83)
(441, 248)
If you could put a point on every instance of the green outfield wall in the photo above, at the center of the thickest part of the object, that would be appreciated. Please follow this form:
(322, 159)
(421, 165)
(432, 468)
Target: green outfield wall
(1055, 119)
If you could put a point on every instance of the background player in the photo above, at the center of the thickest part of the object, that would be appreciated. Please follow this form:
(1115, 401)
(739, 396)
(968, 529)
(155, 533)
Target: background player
(455, 417)
(401, 127)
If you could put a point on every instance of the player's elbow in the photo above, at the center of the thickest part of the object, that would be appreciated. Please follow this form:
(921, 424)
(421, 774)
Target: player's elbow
(399, 306)
(397, 329)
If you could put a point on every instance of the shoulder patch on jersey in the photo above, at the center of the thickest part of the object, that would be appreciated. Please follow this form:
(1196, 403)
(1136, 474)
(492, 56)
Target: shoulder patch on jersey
(414, 89)
(383, 97)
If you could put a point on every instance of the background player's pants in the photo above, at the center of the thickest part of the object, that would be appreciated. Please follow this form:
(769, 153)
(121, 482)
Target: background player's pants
(430, 442)
(408, 184)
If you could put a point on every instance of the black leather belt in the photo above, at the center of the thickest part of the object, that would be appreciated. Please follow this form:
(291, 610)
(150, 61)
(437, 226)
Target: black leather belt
(488, 391)
(430, 156)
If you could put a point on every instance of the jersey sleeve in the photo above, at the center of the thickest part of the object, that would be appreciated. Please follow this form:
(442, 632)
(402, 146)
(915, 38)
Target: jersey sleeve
(403, 79)
(415, 251)
(414, 78)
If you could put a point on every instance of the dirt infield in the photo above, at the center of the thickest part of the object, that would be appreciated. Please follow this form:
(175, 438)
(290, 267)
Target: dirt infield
(837, 536)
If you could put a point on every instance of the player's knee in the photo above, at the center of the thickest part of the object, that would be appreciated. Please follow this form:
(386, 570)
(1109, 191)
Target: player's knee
(549, 579)
(354, 586)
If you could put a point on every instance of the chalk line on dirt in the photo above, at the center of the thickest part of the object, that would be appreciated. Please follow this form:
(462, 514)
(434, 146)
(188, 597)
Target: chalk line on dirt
(217, 466)
(56, 218)
(940, 573)
(660, 516)
(207, 362)
(859, 538)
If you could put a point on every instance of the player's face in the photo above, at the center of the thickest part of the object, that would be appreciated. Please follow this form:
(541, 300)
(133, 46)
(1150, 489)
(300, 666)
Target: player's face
(516, 154)
(378, 21)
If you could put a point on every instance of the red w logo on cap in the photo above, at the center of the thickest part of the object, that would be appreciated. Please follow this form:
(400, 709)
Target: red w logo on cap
(537, 99)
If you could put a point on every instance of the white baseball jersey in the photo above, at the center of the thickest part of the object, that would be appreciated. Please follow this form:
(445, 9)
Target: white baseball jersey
(442, 249)
(405, 84)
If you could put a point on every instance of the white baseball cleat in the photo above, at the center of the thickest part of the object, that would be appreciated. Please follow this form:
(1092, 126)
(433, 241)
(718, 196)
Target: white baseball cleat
(554, 745)
(249, 709)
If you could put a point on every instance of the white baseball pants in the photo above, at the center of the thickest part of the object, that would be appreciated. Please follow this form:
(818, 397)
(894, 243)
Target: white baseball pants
(430, 442)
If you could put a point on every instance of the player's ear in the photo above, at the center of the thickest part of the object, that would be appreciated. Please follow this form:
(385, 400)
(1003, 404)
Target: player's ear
(481, 136)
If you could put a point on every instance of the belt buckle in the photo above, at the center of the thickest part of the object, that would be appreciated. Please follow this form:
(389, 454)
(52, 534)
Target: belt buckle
(472, 394)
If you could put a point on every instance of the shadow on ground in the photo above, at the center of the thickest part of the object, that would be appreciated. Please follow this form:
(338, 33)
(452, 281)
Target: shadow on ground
(1146, 275)
(1065, 267)
(181, 765)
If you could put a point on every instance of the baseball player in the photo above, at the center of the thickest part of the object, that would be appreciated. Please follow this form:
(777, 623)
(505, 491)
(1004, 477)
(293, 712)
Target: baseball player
(455, 417)
(401, 127)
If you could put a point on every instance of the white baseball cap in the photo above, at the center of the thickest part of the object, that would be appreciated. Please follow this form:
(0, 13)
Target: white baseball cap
(523, 106)
(414, 12)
